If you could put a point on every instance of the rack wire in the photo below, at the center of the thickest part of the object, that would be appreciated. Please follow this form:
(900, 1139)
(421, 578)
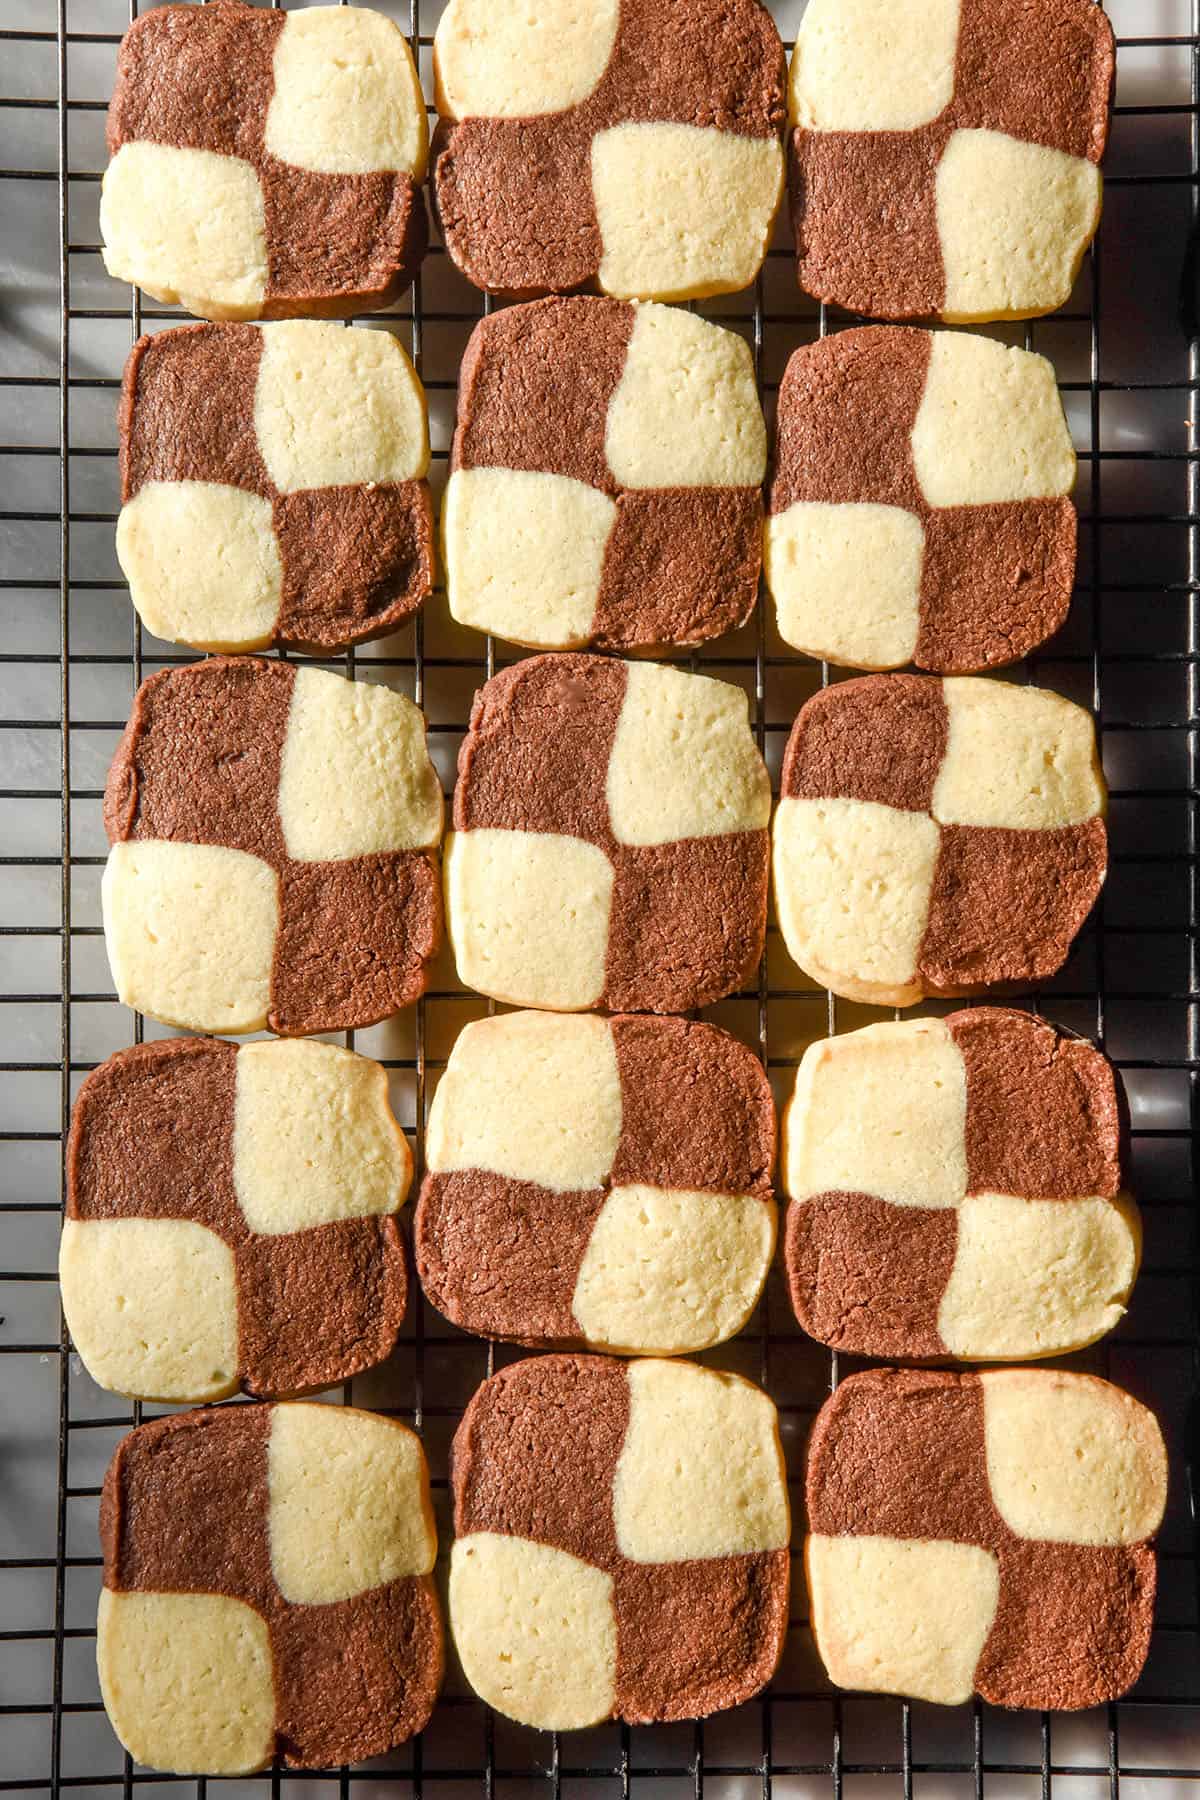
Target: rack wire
(1128, 356)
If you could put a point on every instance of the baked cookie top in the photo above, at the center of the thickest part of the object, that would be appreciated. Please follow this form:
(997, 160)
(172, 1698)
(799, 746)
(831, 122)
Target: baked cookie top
(598, 1181)
(273, 485)
(230, 1219)
(267, 1589)
(265, 164)
(630, 143)
(610, 838)
(944, 153)
(604, 478)
(955, 1190)
(273, 835)
(936, 837)
(984, 1534)
(919, 506)
(621, 1541)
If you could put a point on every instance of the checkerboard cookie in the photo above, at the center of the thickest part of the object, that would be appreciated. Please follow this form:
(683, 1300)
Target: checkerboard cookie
(919, 509)
(630, 143)
(610, 838)
(984, 1534)
(621, 1541)
(955, 1190)
(936, 837)
(944, 153)
(273, 485)
(265, 165)
(267, 1589)
(598, 1181)
(230, 1219)
(605, 477)
(273, 862)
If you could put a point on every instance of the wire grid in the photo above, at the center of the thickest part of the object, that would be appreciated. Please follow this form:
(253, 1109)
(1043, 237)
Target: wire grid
(1129, 650)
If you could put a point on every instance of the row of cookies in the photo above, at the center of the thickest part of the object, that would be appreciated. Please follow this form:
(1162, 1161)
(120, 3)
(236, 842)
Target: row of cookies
(955, 1190)
(604, 488)
(274, 837)
(621, 1549)
(944, 153)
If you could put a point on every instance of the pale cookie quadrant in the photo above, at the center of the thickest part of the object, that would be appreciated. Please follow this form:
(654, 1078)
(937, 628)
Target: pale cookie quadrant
(653, 182)
(511, 62)
(327, 1465)
(610, 838)
(273, 485)
(600, 1182)
(955, 1190)
(535, 1630)
(230, 1219)
(187, 1681)
(355, 777)
(529, 1097)
(242, 888)
(335, 408)
(987, 1534)
(936, 837)
(188, 226)
(190, 931)
(605, 477)
(152, 1306)
(528, 916)
(202, 562)
(524, 551)
(945, 153)
(346, 97)
(265, 165)
(853, 883)
(634, 147)
(701, 1471)
(314, 1138)
(919, 507)
(891, 1616)
(654, 1567)
(267, 1589)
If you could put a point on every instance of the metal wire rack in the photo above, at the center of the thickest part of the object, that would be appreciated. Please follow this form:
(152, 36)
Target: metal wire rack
(71, 653)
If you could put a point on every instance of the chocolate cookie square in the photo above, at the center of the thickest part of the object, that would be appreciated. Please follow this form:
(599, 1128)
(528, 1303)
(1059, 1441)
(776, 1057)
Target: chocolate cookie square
(920, 505)
(610, 838)
(265, 164)
(231, 1219)
(273, 485)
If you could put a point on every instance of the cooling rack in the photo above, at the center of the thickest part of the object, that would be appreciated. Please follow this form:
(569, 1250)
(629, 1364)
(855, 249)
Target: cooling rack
(1127, 352)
